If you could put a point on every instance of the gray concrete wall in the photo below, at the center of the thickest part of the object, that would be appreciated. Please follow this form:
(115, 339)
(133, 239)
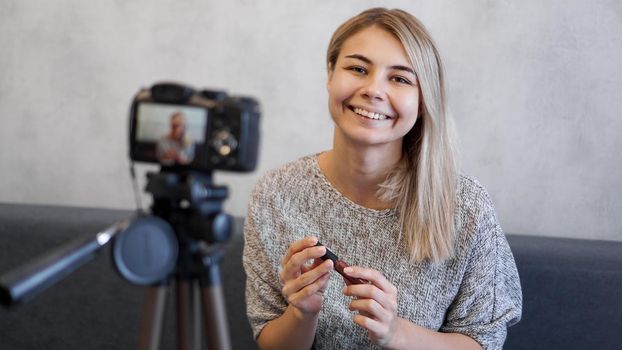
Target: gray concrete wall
(534, 87)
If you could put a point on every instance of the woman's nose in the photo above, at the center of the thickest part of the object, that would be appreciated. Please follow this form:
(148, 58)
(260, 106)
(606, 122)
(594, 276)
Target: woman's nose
(373, 89)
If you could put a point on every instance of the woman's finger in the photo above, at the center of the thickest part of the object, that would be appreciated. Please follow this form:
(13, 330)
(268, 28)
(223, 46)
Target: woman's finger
(294, 266)
(370, 291)
(374, 276)
(309, 290)
(314, 263)
(373, 326)
(371, 308)
(298, 246)
(292, 286)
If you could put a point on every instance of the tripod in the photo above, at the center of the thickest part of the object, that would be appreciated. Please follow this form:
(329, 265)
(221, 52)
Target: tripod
(192, 207)
(199, 292)
(182, 242)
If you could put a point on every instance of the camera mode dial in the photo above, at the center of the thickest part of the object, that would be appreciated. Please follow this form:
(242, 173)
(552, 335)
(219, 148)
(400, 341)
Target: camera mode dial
(224, 142)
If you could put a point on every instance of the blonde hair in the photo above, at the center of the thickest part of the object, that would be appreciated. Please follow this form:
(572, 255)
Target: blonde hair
(423, 184)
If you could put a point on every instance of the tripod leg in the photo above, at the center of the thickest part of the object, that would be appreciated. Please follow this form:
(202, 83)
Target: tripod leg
(151, 326)
(197, 330)
(215, 317)
(184, 312)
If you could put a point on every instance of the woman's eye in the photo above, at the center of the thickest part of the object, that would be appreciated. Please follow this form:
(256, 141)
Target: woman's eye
(357, 69)
(401, 80)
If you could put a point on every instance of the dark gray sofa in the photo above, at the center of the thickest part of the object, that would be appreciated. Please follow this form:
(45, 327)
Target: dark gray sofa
(572, 289)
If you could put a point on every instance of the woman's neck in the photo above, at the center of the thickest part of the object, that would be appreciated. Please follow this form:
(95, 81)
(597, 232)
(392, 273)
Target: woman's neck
(357, 171)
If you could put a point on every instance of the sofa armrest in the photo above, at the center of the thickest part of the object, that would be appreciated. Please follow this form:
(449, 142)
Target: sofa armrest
(572, 292)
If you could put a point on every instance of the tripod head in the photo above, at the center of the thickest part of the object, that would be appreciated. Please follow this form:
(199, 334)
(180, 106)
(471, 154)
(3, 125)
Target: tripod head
(191, 204)
(187, 219)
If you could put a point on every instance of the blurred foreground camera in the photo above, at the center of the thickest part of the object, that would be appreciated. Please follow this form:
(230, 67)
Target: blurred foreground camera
(181, 128)
(181, 242)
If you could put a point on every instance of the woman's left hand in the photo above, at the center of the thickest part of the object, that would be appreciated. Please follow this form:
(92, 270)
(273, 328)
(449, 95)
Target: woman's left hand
(376, 304)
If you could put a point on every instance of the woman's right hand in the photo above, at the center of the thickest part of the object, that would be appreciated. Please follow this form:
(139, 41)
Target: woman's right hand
(303, 284)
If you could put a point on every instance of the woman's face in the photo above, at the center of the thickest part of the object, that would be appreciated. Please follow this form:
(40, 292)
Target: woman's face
(373, 94)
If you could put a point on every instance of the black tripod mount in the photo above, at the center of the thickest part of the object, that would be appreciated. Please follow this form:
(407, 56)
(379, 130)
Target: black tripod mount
(193, 230)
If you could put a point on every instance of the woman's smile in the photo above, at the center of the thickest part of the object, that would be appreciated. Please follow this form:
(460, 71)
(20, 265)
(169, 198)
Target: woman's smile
(367, 113)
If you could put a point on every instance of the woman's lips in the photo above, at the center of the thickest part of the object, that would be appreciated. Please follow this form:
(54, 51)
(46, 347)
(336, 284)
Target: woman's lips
(368, 114)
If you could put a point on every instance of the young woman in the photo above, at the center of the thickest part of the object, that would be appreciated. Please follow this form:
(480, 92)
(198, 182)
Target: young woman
(388, 200)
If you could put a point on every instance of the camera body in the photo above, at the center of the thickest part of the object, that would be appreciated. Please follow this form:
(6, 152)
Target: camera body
(184, 129)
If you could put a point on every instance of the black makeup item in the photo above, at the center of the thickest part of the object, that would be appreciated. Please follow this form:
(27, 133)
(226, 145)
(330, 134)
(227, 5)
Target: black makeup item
(340, 265)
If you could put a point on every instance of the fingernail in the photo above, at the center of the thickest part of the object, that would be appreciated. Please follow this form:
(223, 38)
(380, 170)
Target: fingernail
(347, 270)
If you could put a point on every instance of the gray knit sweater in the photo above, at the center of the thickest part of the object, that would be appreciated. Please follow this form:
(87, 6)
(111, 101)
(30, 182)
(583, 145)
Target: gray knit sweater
(476, 293)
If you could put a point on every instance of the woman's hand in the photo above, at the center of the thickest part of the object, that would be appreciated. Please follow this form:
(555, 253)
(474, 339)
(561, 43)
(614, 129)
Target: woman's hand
(376, 304)
(303, 284)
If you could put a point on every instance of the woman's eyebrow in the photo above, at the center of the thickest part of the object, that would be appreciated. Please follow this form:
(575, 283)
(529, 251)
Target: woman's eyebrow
(368, 61)
(360, 57)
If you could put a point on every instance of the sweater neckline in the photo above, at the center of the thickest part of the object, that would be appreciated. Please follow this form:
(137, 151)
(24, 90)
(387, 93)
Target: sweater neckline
(335, 194)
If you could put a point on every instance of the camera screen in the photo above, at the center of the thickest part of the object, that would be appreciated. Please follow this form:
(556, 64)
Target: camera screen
(170, 134)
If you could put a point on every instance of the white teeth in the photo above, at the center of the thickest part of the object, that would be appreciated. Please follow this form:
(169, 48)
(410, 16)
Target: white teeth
(370, 115)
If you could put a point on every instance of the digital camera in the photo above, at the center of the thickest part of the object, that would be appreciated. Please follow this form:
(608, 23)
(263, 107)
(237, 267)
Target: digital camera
(185, 129)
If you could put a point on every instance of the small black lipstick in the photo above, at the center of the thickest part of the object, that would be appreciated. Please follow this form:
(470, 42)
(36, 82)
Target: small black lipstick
(340, 265)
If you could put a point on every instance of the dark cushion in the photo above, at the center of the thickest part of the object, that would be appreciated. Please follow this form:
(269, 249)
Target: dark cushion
(572, 294)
